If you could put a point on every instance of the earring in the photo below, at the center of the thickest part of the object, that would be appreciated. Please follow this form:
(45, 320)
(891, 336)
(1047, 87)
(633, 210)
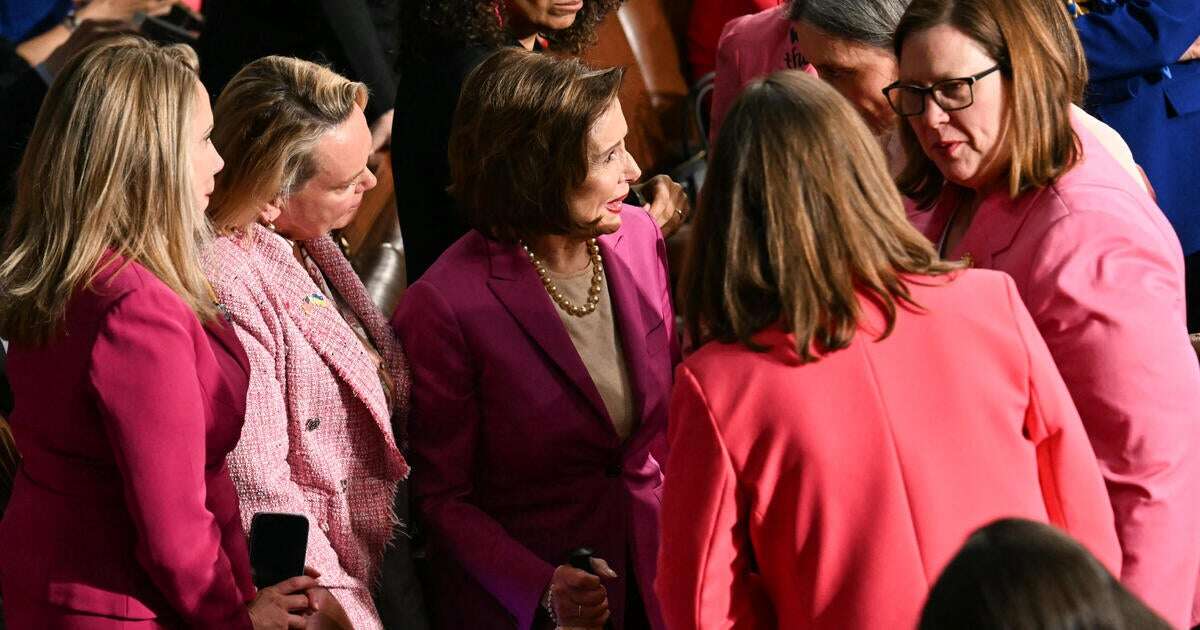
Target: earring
(267, 224)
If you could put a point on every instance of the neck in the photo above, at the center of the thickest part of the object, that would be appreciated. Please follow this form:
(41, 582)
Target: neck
(527, 41)
(561, 254)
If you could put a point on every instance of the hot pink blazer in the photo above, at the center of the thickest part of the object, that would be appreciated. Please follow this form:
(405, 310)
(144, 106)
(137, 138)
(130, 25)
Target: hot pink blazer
(123, 514)
(318, 439)
(1101, 271)
(750, 47)
(832, 494)
(515, 460)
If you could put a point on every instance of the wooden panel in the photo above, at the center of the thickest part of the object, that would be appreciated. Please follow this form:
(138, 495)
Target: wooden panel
(654, 96)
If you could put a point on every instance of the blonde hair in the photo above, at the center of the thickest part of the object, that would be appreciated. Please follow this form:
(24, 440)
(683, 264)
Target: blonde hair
(1042, 61)
(268, 120)
(107, 166)
(799, 217)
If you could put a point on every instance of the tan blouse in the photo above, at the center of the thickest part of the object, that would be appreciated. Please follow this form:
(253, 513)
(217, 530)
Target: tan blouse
(598, 343)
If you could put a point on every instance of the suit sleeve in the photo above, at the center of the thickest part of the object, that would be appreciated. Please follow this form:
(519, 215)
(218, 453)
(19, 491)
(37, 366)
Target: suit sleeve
(445, 419)
(260, 465)
(143, 373)
(1137, 36)
(704, 563)
(1072, 487)
(1109, 308)
(352, 28)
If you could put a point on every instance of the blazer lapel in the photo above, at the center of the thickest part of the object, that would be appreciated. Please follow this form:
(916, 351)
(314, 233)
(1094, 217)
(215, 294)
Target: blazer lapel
(517, 286)
(636, 316)
(315, 314)
(994, 227)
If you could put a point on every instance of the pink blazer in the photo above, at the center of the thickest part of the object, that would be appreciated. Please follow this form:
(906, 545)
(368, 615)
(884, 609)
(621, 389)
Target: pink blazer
(515, 459)
(1101, 271)
(750, 47)
(832, 494)
(318, 438)
(123, 514)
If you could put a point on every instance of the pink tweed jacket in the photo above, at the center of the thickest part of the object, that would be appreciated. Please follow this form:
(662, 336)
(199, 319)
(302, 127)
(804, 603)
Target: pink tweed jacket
(318, 438)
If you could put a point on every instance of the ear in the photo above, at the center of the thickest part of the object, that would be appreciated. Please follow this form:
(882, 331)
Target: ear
(268, 211)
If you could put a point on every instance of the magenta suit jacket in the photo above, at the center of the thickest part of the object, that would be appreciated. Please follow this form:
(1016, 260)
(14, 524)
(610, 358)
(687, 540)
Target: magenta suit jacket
(515, 460)
(1101, 271)
(750, 47)
(318, 437)
(832, 494)
(123, 510)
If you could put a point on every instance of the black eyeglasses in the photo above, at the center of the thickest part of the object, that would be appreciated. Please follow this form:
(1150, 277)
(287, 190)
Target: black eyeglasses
(950, 95)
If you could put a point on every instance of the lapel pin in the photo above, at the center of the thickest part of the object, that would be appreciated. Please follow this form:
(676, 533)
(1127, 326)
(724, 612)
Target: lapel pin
(316, 300)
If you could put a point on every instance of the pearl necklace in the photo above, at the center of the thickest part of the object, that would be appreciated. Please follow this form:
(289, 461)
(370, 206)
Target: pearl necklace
(593, 299)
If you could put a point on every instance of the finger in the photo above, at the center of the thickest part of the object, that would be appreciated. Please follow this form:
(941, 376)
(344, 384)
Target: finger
(600, 565)
(298, 583)
(299, 622)
(315, 595)
(294, 602)
(575, 579)
(311, 572)
(593, 597)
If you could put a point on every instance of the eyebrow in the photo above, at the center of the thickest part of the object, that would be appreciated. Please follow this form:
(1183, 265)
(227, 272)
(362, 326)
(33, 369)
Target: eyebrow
(346, 182)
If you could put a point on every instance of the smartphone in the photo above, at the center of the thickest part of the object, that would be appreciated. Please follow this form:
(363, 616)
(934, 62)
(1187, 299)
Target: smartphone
(278, 545)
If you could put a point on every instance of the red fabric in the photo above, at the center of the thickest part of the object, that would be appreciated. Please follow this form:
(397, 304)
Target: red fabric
(707, 19)
(852, 481)
(124, 510)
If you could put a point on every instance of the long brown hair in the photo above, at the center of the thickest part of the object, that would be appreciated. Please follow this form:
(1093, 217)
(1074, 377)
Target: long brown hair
(107, 166)
(1041, 62)
(798, 218)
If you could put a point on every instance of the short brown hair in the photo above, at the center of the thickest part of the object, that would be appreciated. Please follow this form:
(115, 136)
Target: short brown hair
(1014, 573)
(1041, 72)
(267, 122)
(521, 141)
(799, 216)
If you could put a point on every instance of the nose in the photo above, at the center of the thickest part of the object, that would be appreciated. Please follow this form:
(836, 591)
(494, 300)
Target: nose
(220, 162)
(933, 116)
(632, 170)
(369, 180)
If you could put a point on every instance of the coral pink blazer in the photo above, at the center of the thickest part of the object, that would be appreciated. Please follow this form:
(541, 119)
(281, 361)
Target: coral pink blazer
(832, 494)
(318, 438)
(1101, 271)
(123, 514)
(515, 460)
(750, 47)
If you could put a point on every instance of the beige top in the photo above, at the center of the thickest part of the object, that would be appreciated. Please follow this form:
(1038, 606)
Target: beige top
(599, 345)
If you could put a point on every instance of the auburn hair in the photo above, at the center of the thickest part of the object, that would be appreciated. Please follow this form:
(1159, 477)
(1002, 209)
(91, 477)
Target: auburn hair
(799, 219)
(1040, 60)
(521, 140)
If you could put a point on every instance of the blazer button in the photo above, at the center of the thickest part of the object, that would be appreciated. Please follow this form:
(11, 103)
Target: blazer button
(612, 470)
(312, 424)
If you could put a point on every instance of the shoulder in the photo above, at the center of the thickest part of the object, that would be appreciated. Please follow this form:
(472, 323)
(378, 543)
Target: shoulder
(128, 296)
(748, 30)
(466, 261)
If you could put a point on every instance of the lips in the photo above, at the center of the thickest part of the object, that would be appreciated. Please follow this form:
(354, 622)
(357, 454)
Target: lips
(569, 7)
(946, 148)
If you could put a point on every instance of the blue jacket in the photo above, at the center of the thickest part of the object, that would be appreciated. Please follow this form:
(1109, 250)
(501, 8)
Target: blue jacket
(1138, 88)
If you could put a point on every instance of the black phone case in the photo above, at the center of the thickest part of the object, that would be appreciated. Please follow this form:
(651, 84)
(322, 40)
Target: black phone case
(278, 545)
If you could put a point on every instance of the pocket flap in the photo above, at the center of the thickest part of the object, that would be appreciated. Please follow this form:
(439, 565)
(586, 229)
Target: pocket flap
(93, 599)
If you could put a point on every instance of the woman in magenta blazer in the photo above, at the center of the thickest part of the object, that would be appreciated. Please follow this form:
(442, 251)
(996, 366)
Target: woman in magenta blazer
(1014, 182)
(541, 347)
(858, 406)
(129, 387)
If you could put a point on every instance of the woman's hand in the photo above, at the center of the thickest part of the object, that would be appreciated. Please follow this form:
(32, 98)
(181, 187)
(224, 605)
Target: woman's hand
(122, 10)
(667, 203)
(1193, 52)
(578, 597)
(287, 604)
